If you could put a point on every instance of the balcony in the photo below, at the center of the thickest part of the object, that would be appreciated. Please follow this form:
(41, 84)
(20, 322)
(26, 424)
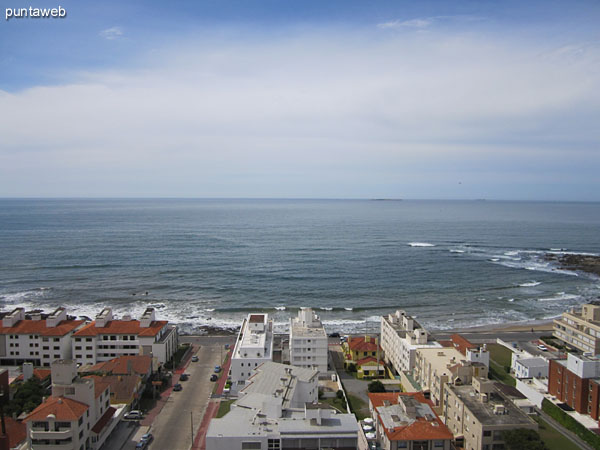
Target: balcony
(42, 434)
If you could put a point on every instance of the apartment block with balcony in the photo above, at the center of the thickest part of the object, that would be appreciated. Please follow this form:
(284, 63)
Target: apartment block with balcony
(580, 328)
(253, 347)
(37, 338)
(108, 337)
(401, 336)
(308, 341)
(479, 414)
(437, 366)
(78, 416)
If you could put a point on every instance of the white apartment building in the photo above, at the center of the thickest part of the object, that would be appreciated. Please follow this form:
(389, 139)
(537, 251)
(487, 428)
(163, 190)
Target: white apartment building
(253, 347)
(78, 416)
(278, 410)
(35, 339)
(401, 336)
(308, 341)
(107, 338)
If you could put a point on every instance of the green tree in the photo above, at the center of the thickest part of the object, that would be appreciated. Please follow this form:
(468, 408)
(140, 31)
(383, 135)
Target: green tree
(27, 397)
(376, 386)
(523, 439)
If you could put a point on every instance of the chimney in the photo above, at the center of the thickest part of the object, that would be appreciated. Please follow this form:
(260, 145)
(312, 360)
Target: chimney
(27, 371)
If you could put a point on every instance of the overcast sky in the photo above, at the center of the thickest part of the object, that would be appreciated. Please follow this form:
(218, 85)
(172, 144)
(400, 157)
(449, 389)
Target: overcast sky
(333, 99)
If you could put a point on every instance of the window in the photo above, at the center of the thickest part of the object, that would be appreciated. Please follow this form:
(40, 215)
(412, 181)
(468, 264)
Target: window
(77, 339)
(251, 445)
(56, 339)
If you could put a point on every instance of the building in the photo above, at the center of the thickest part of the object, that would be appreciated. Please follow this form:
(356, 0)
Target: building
(434, 367)
(78, 416)
(401, 336)
(253, 347)
(580, 328)
(471, 352)
(407, 421)
(36, 339)
(530, 367)
(124, 389)
(124, 365)
(107, 338)
(365, 354)
(575, 381)
(278, 410)
(308, 341)
(479, 414)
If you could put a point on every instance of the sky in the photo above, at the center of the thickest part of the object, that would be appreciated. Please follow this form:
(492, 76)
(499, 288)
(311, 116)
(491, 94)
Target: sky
(302, 99)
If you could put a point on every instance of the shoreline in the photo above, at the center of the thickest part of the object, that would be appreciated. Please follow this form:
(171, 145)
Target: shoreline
(535, 325)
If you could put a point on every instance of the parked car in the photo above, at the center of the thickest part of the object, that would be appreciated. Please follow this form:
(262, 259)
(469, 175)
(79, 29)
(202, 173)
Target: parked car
(543, 348)
(177, 387)
(214, 377)
(334, 335)
(141, 445)
(226, 390)
(184, 377)
(134, 415)
(217, 369)
(148, 437)
(194, 358)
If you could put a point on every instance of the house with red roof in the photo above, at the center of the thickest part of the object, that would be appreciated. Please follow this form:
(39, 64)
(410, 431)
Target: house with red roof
(407, 421)
(364, 353)
(36, 338)
(77, 415)
(125, 365)
(107, 338)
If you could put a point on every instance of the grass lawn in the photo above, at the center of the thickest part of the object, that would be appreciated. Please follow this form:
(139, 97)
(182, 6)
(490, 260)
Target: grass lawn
(500, 354)
(224, 408)
(497, 372)
(358, 406)
(337, 403)
(552, 438)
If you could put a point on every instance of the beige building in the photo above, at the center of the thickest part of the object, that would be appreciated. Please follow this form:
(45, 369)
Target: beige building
(479, 414)
(401, 336)
(434, 367)
(580, 328)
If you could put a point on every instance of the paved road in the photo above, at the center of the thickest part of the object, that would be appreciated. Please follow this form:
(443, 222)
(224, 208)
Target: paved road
(490, 336)
(180, 417)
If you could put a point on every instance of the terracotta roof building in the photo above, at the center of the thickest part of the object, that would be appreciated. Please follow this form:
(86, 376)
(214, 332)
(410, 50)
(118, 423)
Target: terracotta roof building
(125, 365)
(36, 339)
(107, 338)
(16, 432)
(407, 420)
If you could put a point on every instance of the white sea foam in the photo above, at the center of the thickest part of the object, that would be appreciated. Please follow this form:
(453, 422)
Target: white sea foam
(348, 309)
(495, 259)
(324, 308)
(560, 296)
(421, 244)
(210, 309)
(453, 250)
(280, 308)
(511, 300)
(531, 284)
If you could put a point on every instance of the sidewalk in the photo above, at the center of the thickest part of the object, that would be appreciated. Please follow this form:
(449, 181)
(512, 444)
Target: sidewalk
(212, 408)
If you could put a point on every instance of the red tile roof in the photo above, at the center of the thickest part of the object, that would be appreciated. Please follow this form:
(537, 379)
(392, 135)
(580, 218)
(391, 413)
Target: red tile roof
(122, 327)
(100, 384)
(140, 364)
(15, 430)
(39, 327)
(366, 360)
(420, 429)
(122, 387)
(461, 344)
(104, 420)
(62, 408)
(361, 345)
(40, 374)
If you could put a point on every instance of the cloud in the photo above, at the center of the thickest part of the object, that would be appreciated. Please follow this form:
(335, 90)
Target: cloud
(413, 23)
(112, 33)
(314, 114)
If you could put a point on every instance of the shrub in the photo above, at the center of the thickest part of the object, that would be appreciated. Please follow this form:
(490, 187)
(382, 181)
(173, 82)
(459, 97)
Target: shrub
(376, 386)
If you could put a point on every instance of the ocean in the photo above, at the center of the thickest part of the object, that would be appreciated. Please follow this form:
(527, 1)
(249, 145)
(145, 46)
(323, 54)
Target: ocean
(210, 262)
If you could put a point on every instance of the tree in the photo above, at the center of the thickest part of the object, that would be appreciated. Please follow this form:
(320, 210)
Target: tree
(26, 398)
(339, 394)
(376, 386)
(523, 439)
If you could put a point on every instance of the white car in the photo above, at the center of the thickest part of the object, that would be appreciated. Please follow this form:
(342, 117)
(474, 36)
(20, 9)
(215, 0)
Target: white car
(543, 348)
(134, 415)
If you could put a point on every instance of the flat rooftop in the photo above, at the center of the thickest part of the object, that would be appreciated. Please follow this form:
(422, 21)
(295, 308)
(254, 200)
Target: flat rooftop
(484, 411)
